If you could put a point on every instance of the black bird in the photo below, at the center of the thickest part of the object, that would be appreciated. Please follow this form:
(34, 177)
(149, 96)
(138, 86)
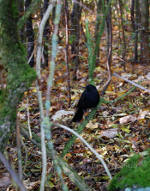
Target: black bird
(88, 99)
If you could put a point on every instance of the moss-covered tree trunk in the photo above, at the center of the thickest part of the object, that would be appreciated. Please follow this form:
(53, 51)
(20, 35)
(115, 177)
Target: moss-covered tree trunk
(19, 76)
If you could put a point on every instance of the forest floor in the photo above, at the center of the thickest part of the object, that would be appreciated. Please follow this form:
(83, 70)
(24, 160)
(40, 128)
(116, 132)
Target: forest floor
(117, 131)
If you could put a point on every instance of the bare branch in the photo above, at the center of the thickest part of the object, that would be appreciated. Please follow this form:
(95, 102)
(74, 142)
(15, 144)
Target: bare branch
(131, 82)
(91, 149)
(12, 172)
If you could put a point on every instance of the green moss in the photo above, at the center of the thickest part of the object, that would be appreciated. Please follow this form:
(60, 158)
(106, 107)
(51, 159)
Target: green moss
(135, 172)
(35, 4)
(19, 74)
(2, 98)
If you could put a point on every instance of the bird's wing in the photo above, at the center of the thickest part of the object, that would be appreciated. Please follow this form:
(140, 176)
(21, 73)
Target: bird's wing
(81, 102)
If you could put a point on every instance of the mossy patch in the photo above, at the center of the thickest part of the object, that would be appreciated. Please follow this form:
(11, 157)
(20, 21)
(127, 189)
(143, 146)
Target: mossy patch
(19, 74)
(135, 173)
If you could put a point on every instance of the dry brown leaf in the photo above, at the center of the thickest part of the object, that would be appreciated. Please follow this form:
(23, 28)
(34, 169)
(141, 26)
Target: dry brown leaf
(5, 180)
(110, 133)
(126, 119)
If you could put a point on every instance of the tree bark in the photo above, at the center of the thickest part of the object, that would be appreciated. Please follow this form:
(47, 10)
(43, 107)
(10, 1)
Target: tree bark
(98, 19)
(145, 47)
(134, 21)
(21, 12)
(19, 76)
(123, 30)
(109, 35)
(29, 36)
(46, 35)
(75, 34)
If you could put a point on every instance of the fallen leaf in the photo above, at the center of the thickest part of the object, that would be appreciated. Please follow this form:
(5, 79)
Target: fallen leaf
(91, 125)
(148, 76)
(125, 129)
(5, 180)
(110, 133)
(59, 114)
(142, 114)
(128, 118)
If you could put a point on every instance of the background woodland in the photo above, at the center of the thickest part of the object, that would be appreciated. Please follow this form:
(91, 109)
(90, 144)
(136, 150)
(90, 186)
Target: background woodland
(50, 50)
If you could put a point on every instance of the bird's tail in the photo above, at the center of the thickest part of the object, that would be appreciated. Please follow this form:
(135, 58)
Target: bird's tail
(78, 115)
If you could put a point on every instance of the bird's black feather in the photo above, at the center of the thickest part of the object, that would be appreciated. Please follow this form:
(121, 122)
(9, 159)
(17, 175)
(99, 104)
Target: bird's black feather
(88, 99)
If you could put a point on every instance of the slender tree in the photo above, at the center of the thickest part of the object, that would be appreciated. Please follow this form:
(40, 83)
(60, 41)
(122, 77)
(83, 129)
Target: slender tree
(123, 31)
(46, 36)
(75, 34)
(67, 49)
(134, 20)
(21, 12)
(144, 28)
(29, 36)
(98, 19)
(109, 35)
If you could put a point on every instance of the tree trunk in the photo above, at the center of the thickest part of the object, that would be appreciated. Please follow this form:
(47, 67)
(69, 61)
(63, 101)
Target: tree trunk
(21, 12)
(123, 32)
(134, 21)
(109, 35)
(19, 76)
(98, 19)
(75, 34)
(67, 50)
(145, 47)
(29, 36)
(46, 35)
